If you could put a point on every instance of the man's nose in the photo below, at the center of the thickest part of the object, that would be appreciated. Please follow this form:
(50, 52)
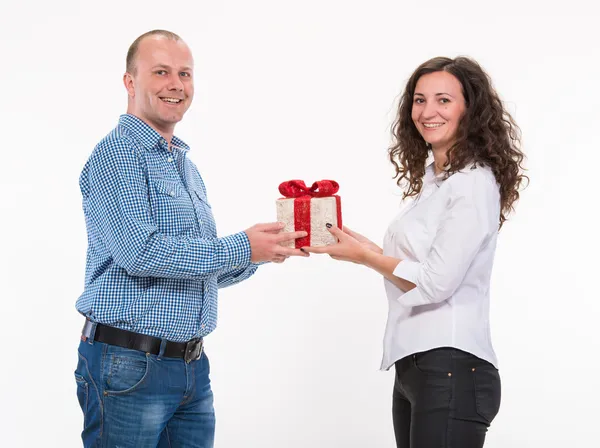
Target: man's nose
(175, 82)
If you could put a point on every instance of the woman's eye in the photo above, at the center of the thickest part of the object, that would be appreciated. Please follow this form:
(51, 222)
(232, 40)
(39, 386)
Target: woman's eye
(419, 100)
(444, 100)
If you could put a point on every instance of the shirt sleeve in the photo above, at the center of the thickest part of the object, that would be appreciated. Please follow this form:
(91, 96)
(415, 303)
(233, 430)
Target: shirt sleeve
(118, 208)
(236, 276)
(470, 219)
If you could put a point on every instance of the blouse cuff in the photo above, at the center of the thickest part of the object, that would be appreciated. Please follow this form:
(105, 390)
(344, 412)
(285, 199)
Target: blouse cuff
(408, 270)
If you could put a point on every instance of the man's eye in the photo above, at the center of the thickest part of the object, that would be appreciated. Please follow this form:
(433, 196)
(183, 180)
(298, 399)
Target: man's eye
(185, 74)
(161, 72)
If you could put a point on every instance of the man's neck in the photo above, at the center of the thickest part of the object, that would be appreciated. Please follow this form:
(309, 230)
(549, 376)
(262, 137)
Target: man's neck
(167, 134)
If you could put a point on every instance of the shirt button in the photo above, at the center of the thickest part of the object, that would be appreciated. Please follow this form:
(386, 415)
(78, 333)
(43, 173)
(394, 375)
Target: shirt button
(170, 159)
(235, 267)
(203, 326)
(171, 193)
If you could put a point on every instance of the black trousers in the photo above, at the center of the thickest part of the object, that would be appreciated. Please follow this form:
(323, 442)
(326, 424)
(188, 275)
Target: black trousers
(444, 398)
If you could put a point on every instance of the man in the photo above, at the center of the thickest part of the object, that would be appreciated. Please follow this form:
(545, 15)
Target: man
(154, 265)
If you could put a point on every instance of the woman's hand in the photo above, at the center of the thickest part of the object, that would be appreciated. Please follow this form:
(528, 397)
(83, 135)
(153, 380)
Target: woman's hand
(356, 248)
(363, 240)
(351, 246)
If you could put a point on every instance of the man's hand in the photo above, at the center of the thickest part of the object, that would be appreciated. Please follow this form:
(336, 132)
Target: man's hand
(265, 242)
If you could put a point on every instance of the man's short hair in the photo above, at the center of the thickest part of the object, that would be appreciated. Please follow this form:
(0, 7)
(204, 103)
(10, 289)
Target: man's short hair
(133, 49)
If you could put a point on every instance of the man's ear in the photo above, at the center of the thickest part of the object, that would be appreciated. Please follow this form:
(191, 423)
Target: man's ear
(129, 84)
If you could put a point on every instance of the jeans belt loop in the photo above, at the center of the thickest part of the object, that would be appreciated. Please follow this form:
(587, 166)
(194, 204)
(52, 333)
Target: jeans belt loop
(163, 346)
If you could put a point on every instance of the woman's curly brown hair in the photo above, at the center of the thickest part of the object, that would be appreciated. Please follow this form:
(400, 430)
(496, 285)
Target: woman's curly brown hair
(486, 134)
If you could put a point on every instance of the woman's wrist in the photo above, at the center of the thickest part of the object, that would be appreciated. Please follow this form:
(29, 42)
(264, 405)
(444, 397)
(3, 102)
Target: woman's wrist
(369, 257)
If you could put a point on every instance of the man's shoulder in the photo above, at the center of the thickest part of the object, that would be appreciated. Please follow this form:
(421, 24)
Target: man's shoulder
(119, 139)
(119, 136)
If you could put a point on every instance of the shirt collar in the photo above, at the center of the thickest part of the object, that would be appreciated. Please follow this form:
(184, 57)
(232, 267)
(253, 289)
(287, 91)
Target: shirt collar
(147, 136)
(431, 177)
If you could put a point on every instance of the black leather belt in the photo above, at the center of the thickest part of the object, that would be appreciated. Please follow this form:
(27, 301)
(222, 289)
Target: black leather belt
(189, 351)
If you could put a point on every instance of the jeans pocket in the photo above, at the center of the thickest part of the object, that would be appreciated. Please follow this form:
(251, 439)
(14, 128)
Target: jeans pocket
(127, 370)
(83, 386)
(434, 363)
(487, 384)
(82, 394)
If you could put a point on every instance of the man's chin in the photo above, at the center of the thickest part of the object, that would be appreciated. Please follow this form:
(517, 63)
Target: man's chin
(175, 119)
(171, 119)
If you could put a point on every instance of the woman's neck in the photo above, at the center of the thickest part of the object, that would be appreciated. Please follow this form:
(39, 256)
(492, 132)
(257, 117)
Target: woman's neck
(440, 157)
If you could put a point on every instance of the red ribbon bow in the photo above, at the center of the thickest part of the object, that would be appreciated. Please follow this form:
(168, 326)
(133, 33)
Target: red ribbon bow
(298, 189)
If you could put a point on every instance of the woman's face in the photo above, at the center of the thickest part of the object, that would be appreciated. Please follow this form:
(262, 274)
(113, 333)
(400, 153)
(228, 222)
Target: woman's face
(438, 105)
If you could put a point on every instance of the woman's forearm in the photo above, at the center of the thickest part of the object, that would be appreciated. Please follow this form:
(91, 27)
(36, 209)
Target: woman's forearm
(385, 266)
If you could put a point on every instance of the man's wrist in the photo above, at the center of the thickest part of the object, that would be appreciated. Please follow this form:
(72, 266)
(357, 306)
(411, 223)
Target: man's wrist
(237, 250)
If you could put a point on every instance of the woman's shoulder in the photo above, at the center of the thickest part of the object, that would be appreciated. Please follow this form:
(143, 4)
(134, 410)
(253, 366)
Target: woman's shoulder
(473, 176)
(474, 172)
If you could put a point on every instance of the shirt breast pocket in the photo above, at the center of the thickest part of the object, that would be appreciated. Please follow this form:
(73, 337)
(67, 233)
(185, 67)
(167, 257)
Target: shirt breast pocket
(200, 195)
(170, 188)
(172, 207)
(205, 215)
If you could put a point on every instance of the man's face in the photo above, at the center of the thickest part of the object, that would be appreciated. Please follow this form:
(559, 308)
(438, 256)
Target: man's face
(161, 88)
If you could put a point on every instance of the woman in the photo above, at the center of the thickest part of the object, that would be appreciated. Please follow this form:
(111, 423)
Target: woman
(438, 253)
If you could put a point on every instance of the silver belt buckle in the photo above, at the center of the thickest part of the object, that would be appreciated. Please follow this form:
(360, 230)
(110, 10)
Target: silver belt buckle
(88, 330)
(193, 350)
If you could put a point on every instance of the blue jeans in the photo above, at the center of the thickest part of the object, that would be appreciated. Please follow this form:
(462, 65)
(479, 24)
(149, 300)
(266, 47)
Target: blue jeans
(133, 399)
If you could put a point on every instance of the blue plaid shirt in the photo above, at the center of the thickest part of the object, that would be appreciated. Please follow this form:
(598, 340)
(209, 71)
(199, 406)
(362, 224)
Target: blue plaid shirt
(154, 261)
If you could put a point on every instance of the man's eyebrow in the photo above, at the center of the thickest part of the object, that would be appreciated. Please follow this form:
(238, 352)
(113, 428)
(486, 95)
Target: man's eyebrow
(186, 68)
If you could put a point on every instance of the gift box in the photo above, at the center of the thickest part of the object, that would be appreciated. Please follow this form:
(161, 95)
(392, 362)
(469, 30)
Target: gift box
(309, 209)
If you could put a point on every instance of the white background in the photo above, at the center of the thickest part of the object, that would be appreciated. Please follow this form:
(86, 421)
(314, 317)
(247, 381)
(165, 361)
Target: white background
(305, 90)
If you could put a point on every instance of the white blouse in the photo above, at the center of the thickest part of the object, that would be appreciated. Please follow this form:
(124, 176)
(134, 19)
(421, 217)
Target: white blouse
(446, 239)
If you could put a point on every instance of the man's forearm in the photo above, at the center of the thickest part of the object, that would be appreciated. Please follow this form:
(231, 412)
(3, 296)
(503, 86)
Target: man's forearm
(236, 276)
